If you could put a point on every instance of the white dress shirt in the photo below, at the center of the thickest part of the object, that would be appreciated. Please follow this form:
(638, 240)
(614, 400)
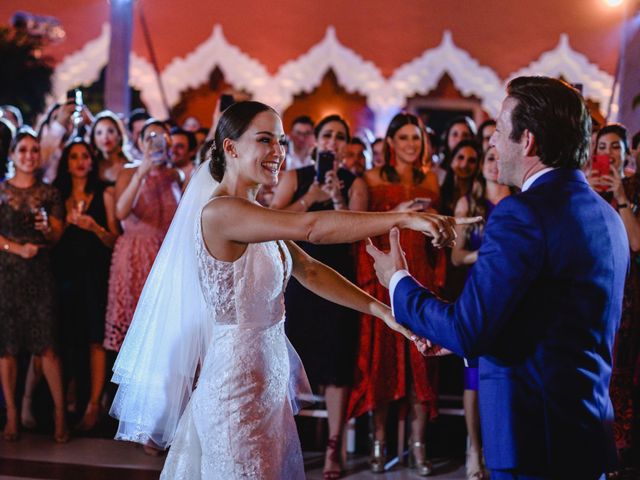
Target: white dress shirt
(400, 274)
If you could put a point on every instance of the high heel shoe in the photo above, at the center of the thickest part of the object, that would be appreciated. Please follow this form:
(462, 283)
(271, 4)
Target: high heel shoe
(333, 455)
(418, 459)
(11, 432)
(378, 458)
(150, 450)
(61, 432)
(90, 418)
(474, 465)
(26, 415)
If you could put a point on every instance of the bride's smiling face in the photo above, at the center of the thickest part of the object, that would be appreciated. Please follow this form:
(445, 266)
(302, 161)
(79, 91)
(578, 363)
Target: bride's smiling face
(259, 153)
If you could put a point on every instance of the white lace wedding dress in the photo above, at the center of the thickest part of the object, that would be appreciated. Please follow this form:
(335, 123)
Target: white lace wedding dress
(239, 421)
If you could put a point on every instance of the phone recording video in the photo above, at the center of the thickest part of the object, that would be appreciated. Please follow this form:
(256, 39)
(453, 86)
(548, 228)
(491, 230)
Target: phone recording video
(324, 163)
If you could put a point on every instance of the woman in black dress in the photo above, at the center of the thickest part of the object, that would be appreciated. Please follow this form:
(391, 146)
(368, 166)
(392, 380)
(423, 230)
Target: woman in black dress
(323, 333)
(31, 220)
(81, 266)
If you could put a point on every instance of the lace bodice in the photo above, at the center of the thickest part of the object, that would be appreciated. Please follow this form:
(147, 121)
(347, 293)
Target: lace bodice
(248, 292)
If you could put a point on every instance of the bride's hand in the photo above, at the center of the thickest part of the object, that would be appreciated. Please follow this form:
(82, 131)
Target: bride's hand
(390, 321)
(440, 228)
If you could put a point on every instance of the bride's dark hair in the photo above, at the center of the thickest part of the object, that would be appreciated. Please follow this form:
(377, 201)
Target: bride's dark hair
(232, 124)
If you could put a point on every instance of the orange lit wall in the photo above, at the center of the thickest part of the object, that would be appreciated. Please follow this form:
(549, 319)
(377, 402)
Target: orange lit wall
(503, 34)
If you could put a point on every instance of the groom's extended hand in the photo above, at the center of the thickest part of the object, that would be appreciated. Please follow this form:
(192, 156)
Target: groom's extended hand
(386, 264)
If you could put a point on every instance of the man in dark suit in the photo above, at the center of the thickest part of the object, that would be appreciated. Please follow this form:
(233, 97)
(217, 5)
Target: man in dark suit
(544, 299)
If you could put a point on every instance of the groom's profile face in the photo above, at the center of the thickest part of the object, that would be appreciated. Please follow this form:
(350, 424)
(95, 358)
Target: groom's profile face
(509, 152)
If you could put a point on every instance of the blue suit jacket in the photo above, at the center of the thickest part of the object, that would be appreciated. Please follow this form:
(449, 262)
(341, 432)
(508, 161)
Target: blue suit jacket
(540, 309)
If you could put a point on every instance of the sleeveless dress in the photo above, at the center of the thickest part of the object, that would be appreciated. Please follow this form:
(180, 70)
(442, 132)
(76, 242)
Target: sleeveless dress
(81, 268)
(325, 334)
(386, 364)
(27, 288)
(136, 249)
(239, 421)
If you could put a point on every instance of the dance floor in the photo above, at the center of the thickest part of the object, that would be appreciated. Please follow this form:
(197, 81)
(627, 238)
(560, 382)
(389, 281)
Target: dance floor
(36, 457)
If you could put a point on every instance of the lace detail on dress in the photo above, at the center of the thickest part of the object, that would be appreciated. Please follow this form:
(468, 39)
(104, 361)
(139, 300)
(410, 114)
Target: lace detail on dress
(259, 277)
(239, 422)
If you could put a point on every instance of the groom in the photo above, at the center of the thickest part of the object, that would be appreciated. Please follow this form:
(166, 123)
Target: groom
(544, 299)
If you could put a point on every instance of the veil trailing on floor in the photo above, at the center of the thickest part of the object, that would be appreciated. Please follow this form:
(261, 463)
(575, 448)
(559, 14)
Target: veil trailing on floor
(169, 333)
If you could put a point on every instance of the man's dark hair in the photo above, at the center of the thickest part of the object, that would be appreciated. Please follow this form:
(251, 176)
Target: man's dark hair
(557, 116)
(135, 115)
(635, 140)
(304, 120)
(191, 138)
(357, 141)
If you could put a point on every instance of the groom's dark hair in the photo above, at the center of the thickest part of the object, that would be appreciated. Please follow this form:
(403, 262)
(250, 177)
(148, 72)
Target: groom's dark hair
(557, 116)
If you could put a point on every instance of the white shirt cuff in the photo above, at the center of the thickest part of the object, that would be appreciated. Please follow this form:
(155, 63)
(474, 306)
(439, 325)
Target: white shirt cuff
(393, 283)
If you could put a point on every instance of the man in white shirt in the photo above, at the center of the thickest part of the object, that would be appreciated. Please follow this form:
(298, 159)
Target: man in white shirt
(301, 143)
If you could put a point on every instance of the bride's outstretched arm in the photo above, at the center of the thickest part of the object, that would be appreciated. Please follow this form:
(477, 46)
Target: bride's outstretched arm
(233, 219)
(329, 284)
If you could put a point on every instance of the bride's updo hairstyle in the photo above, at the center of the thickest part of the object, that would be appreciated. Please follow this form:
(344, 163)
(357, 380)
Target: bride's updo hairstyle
(232, 124)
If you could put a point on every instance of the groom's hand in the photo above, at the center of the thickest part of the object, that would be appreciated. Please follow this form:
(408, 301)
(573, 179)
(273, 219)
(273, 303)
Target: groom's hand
(386, 264)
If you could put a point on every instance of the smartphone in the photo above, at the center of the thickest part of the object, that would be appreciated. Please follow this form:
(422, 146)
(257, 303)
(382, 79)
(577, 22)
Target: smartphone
(226, 101)
(425, 202)
(158, 147)
(324, 163)
(601, 164)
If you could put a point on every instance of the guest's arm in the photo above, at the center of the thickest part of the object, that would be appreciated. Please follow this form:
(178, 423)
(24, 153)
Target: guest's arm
(459, 255)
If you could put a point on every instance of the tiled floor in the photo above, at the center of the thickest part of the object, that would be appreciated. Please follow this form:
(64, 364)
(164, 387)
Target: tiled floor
(36, 457)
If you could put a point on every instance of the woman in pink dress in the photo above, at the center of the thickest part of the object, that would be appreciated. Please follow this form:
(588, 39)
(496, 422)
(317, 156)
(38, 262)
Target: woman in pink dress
(147, 196)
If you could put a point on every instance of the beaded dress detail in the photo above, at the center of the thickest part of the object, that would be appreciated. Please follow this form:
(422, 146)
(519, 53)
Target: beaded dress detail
(239, 421)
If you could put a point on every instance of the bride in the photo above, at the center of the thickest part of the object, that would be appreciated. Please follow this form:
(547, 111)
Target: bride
(206, 366)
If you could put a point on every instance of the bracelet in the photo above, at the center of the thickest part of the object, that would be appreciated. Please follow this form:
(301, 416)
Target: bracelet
(5, 247)
(622, 205)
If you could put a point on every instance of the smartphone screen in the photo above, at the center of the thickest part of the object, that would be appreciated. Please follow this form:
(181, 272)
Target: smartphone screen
(323, 165)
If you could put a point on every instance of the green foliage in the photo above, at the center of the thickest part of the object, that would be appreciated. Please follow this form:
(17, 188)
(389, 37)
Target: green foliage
(26, 74)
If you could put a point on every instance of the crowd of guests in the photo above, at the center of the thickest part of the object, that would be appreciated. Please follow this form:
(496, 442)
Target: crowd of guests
(85, 202)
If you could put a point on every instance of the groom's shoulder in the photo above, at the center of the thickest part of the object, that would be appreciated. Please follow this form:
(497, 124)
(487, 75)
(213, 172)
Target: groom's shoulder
(519, 205)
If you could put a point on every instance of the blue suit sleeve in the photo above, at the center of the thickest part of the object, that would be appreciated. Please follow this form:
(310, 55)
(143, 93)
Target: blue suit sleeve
(509, 260)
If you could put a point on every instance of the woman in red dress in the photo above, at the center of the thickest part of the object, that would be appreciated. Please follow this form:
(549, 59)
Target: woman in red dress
(387, 368)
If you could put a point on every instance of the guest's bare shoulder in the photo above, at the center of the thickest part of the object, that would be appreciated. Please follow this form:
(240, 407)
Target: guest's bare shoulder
(373, 177)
